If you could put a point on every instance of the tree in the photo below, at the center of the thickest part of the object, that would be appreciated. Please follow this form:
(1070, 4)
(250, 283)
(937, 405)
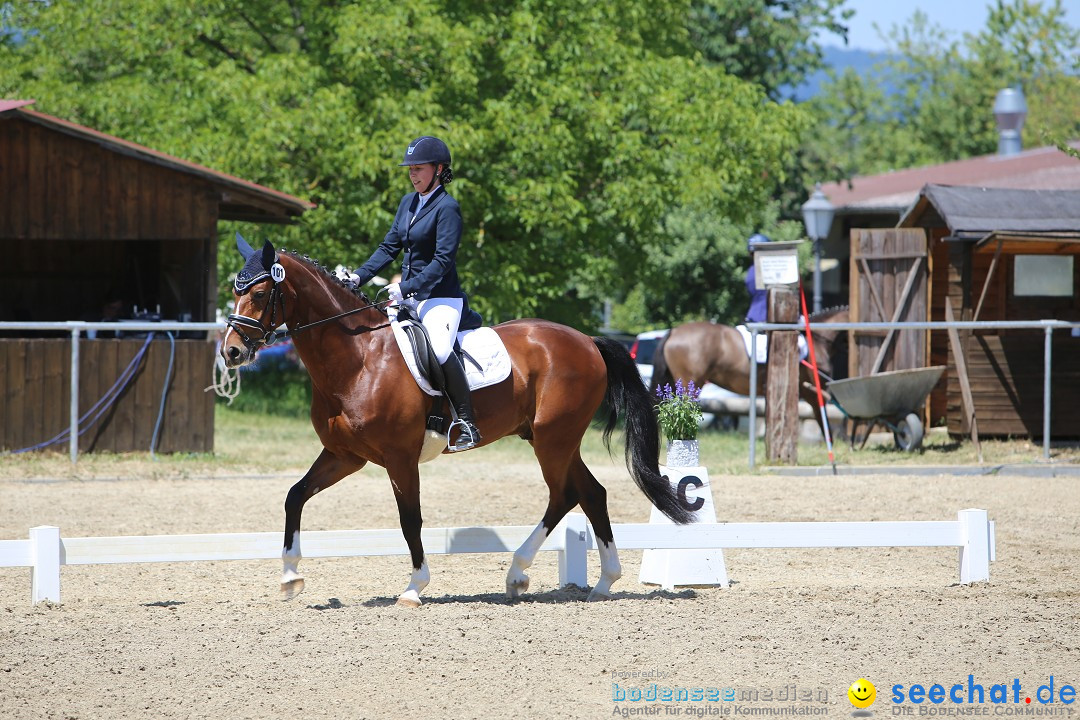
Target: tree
(771, 43)
(942, 110)
(575, 127)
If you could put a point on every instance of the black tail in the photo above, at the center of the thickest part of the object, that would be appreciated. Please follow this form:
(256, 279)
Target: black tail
(626, 395)
(660, 374)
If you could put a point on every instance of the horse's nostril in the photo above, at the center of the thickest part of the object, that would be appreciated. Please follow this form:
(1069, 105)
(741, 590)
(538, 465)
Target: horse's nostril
(234, 352)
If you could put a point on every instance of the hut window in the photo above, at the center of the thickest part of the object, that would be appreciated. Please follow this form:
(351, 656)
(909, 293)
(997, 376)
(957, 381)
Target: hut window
(1043, 275)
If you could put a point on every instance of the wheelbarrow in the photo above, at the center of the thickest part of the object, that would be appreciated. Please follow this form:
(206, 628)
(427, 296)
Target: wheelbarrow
(888, 398)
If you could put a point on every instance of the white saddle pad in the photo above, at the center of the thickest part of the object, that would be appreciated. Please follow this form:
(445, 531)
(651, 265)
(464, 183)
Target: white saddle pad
(483, 344)
(762, 354)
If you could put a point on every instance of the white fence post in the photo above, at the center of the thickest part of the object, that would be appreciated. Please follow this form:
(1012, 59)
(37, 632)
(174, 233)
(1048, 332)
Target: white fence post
(45, 574)
(975, 554)
(574, 554)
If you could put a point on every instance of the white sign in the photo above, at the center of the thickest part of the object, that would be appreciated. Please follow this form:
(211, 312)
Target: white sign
(776, 269)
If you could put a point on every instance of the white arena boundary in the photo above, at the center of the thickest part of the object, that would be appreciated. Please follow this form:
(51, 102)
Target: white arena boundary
(46, 551)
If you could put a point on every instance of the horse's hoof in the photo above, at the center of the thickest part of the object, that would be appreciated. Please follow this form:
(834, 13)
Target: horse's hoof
(597, 597)
(292, 588)
(515, 588)
(409, 599)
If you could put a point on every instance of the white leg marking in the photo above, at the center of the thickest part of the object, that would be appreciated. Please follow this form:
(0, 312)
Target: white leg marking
(517, 581)
(292, 582)
(290, 558)
(420, 579)
(610, 570)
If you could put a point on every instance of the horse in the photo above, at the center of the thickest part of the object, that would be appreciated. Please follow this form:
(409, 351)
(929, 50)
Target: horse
(712, 352)
(367, 408)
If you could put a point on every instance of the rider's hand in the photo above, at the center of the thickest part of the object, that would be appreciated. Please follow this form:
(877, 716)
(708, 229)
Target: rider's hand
(395, 293)
(347, 276)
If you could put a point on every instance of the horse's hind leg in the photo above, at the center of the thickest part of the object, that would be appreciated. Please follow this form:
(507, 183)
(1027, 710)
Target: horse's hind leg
(559, 503)
(324, 472)
(593, 499)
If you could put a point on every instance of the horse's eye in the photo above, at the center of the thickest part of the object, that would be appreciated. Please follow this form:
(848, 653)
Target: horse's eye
(260, 294)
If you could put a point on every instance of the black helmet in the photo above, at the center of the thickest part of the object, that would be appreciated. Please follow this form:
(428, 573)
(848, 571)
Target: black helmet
(756, 239)
(427, 149)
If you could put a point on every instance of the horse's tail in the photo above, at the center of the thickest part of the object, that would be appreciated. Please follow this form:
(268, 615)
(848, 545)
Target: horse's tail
(660, 372)
(627, 396)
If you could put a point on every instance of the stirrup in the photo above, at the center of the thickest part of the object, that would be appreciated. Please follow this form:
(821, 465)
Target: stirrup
(467, 439)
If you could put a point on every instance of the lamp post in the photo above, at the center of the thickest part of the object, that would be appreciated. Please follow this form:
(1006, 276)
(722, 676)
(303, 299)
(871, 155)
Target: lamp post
(817, 215)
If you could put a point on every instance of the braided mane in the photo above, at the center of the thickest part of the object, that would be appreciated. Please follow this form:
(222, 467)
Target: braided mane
(357, 292)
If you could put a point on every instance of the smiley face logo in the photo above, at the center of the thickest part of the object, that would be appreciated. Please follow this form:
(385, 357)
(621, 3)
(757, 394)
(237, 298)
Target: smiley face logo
(862, 693)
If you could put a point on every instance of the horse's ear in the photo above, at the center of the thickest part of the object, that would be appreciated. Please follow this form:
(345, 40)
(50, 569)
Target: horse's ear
(269, 255)
(242, 245)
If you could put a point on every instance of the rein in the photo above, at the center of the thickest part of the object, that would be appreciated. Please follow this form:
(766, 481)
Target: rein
(269, 335)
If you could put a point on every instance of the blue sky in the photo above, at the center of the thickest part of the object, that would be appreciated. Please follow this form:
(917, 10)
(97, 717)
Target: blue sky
(954, 16)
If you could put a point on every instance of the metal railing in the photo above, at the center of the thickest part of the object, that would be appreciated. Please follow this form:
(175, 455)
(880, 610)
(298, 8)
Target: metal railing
(77, 327)
(1047, 326)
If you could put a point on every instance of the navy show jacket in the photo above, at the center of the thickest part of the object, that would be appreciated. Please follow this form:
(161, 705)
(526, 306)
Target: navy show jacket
(430, 242)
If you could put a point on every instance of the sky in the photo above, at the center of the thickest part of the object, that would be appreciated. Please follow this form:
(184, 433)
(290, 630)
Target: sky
(954, 16)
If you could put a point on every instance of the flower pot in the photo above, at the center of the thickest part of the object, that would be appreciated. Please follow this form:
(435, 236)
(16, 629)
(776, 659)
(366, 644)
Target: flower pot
(683, 453)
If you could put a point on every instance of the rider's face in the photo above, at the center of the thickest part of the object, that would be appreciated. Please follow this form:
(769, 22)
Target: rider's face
(420, 176)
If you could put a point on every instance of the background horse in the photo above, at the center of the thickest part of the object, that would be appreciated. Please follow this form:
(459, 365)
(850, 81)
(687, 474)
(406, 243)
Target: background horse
(711, 352)
(366, 407)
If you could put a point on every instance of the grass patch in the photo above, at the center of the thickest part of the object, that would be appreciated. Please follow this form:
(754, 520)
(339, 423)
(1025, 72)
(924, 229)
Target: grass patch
(247, 443)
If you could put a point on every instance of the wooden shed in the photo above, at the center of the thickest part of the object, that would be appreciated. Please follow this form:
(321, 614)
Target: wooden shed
(89, 220)
(990, 254)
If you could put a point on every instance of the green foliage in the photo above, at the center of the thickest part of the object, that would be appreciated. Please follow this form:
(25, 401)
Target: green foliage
(699, 271)
(678, 411)
(576, 128)
(770, 43)
(284, 392)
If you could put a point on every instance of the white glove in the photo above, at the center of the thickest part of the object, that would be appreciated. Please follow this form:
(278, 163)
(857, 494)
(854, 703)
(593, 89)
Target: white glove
(395, 293)
(346, 276)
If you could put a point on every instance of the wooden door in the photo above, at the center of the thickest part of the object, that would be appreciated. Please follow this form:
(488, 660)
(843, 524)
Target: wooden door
(889, 283)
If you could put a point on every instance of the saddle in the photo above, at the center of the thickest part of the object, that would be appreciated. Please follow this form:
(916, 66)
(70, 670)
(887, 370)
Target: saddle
(483, 356)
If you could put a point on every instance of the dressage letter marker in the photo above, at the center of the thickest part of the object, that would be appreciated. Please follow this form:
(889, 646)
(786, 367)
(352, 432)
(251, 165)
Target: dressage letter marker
(668, 568)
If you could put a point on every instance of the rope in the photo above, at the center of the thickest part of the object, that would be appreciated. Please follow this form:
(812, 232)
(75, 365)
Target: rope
(164, 392)
(226, 380)
(101, 406)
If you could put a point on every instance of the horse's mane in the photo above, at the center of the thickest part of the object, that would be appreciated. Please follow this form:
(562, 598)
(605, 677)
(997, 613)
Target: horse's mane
(357, 293)
(828, 312)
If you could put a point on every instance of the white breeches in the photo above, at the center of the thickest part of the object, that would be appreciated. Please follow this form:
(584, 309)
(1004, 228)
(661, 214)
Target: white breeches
(441, 317)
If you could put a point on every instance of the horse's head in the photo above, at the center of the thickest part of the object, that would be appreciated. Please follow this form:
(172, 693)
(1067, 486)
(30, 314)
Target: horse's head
(258, 299)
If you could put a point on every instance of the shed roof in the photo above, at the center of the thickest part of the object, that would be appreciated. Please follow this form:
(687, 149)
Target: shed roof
(976, 212)
(239, 199)
(1044, 168)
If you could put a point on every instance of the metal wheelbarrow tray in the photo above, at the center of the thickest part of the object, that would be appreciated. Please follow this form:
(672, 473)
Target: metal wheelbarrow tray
(889, 398)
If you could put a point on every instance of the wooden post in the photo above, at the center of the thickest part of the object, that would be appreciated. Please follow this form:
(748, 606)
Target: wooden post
(782, 387)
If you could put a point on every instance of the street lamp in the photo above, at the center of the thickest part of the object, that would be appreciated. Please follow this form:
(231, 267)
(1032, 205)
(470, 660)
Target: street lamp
(817, 215)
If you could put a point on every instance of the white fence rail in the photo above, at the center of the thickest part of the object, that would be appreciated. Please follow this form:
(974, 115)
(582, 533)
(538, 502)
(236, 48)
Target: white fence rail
(45, 551)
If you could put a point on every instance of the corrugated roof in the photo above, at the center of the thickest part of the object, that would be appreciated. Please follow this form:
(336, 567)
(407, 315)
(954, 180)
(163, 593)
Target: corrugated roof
(977, 211)
(247, 201)
(1042, 168)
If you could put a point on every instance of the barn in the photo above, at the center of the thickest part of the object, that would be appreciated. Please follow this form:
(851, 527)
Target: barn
(977, 254)
(93, 226)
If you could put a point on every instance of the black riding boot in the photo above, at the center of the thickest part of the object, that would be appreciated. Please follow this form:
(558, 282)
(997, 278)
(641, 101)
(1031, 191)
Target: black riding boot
(459, 395)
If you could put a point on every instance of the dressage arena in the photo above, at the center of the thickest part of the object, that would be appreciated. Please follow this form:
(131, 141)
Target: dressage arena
(199, 640)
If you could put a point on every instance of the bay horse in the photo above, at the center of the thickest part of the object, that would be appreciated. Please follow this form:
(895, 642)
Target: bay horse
(366, 407)
(716, 353)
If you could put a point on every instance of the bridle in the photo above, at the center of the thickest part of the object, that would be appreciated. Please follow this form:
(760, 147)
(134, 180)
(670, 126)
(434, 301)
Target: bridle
(236, 322)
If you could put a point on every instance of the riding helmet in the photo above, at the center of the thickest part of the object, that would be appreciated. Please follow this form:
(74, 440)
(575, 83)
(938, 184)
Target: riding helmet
(756, 239)
(427, 149)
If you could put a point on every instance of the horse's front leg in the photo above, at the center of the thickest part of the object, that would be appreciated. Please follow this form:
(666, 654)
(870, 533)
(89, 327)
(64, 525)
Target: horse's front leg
(324, 472)
(405, 478)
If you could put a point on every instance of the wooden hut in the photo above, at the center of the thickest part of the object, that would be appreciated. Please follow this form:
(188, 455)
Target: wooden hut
(89, 220)
(988, 254)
